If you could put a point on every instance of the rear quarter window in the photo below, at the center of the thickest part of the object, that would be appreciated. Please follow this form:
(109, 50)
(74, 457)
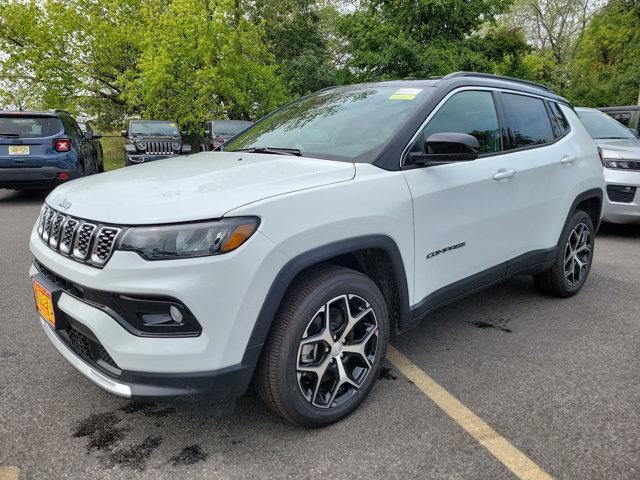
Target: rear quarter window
(29, 127)
(527, 120)
(559, 120)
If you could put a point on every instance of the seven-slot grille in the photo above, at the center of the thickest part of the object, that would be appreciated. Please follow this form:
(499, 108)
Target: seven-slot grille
(78, 239)
(159, 148)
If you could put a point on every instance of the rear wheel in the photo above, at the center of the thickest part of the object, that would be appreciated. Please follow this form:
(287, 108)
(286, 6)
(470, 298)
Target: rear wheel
(326, 347)
(573, 263)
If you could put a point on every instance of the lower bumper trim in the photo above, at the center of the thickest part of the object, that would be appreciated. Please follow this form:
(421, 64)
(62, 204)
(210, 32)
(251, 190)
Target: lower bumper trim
(223, 384)
(120, 389)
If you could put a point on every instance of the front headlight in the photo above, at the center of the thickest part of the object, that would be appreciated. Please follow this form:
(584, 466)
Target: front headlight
(621, 164)
(189, 240)
(130, 148)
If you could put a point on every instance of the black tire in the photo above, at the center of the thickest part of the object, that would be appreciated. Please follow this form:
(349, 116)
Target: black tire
(555, 281)
(278, 380)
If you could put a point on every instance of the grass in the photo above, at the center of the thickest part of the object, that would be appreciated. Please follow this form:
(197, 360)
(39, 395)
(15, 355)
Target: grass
(113, 151)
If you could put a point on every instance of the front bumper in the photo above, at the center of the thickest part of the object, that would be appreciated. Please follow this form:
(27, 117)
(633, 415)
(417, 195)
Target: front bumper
(230, 382)
(25, 178)
(219, 291)
(622, 212)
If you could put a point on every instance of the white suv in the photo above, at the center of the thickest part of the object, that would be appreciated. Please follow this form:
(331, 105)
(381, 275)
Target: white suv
(287, 260)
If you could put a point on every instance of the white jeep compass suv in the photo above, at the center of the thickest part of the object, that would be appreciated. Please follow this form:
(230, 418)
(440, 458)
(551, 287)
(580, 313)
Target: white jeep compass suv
(288, 259)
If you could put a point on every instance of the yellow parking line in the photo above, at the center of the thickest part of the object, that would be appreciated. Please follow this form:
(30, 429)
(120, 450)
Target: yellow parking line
(9, 472)
(512, 458)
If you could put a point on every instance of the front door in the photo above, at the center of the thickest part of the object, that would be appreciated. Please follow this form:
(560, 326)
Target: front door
(462, 210)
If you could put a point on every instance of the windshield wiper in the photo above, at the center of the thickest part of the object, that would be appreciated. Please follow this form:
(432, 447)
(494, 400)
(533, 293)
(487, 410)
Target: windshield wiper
(613, 138)
(271, 150)
(9, 135)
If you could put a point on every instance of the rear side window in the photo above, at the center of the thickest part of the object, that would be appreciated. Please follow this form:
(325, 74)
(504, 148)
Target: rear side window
(527, 120)
(72, 127)
(29, 127)
(471, 112)
(559, 120)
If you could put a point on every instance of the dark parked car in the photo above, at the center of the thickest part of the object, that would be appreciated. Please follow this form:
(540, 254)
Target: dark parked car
(151, 140)
(93, 137)
(42, 150)
(628, 116)
(219, 131)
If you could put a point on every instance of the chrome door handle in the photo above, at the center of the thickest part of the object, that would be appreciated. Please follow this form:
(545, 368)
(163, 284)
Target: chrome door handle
(567, 159)
(503, 174)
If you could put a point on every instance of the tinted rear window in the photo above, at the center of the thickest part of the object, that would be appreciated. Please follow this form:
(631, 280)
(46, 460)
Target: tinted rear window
(561, 123)
(527, 120)
(29, 127)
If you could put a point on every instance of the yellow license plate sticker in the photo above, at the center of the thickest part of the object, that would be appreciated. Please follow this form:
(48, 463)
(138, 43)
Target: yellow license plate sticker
(44, 303)
(18, 149)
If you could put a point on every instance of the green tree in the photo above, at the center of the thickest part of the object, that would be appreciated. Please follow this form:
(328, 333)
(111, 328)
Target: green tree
(74, 54)
(606, 70)
(298, 33)
(204, 59)
(418, 38)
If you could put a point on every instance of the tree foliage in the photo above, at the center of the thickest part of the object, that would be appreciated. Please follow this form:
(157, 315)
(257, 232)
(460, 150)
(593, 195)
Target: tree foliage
(193, 60)
(417, 38)
(606, 70)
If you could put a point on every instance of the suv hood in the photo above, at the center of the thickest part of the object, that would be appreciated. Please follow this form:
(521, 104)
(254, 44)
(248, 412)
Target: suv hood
(196, 187)
(627, 148)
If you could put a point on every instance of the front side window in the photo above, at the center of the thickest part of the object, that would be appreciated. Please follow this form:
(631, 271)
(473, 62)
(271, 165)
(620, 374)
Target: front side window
(527, 120)
(470, 112)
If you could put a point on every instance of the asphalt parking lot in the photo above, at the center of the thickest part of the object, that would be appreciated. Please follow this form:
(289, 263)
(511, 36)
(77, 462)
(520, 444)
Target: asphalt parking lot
(558, 380)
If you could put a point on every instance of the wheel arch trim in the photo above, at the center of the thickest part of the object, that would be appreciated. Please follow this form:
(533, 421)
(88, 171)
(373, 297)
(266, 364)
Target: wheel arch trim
(316, 256)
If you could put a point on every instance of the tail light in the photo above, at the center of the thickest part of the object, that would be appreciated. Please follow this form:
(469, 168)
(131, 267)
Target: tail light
(62, 144)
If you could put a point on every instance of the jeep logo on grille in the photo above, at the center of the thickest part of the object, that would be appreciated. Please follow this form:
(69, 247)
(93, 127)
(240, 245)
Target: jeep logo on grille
(64, 204)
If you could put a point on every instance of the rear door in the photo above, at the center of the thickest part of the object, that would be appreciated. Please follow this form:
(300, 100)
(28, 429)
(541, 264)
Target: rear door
(542, 155)
(26, 140)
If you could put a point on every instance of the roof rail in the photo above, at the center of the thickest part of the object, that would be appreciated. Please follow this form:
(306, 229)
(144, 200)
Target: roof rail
(497, 77)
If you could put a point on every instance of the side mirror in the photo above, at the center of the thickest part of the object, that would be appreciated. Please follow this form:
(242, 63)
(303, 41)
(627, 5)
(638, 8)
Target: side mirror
(123, 133)
(185, 148)
(97, 135)
(88, 135)
(183, 133)
(442, 148)
(207, 133)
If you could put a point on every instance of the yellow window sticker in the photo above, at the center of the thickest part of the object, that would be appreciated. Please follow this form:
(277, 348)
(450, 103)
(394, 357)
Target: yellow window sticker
(405, 94)
(173, 125)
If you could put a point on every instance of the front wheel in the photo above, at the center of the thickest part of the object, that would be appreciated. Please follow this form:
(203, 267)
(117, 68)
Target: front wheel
(326, 347)
(573, 263)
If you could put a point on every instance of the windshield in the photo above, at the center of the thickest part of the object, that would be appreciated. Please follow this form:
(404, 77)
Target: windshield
(347, 123)
(229, 128)
(29, 127)
(159, 129)
(602, 126)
